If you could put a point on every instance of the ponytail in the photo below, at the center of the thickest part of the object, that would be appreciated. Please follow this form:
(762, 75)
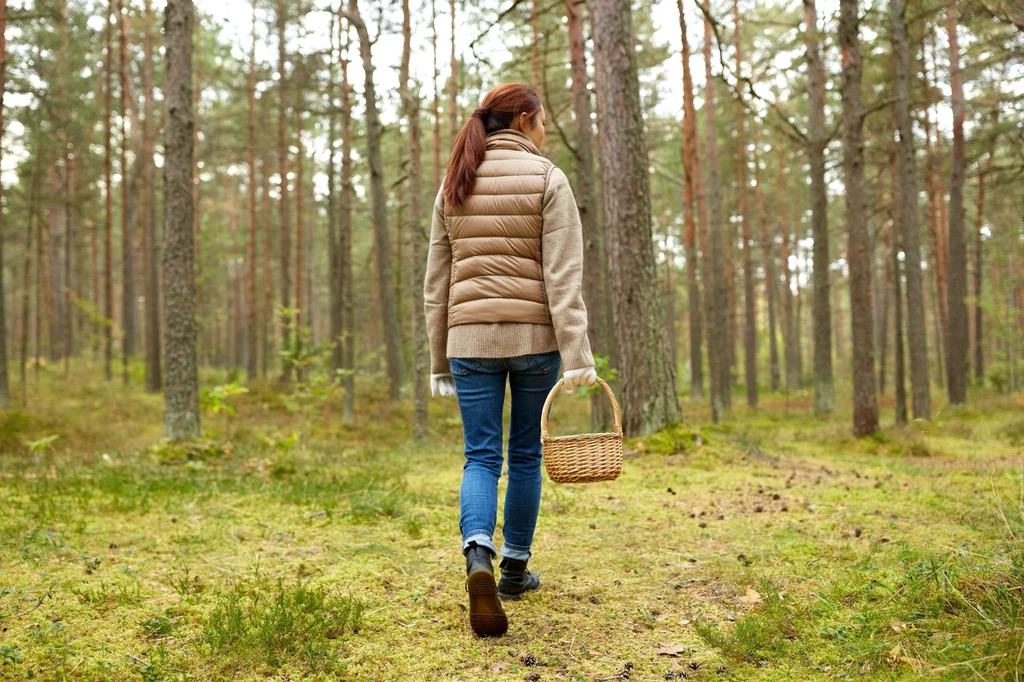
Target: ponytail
(499, 108)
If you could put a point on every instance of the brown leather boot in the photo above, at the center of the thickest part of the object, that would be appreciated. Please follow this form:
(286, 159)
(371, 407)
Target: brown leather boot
(486, 616)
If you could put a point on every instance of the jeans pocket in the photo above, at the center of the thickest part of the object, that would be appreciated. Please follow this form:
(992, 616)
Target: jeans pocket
(545, 362)
(462, 366)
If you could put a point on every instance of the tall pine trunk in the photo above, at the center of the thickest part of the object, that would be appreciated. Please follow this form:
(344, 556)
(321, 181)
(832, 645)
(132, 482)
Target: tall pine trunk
(771, 281)
(956, 336)
(693, 211)
(108, 283)
(743, 188)
(154, 380)
(333, 271)
(453, 82)
(717, 301)
(648, 377)
(979, 261)
(858, 249)
(128, 298)
(417, 254)
(5, 397)
(181, 393)
(599, 311)
(252, 334)
(285, 238)
(917, 336)
(824, 391)
(391, 328)
(345, 239)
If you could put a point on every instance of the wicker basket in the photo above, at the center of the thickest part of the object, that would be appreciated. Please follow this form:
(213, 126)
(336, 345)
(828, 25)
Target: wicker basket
(584, 458)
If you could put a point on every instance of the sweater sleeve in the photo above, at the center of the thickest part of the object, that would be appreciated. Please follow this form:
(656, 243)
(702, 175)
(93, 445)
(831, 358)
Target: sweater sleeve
(562, 262)
(435, 289)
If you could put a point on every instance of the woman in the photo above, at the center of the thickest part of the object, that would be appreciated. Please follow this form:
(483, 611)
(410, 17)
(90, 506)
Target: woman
(503, 299)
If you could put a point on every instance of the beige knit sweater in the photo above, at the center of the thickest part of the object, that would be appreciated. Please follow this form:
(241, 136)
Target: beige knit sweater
(562, 265)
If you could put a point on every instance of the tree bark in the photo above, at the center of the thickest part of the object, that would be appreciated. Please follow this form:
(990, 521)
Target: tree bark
(790, 337)
(284, 240)
(743, 188)
(154, 379)
(717, 302)
(771, 281)
(437, 96)
(956, 336)
(648, 377)
(128, 297)
(334, 272)
(252, 334)
(599, 312)
(858, 249)
(979, 261)
(181, 393)
(824, 391)
(917, 336)
(385, 281)
(417, 254)
(345, 240)
(108, 293)
(693, 191)
(453, 83)
(5, 397)
(298, 319)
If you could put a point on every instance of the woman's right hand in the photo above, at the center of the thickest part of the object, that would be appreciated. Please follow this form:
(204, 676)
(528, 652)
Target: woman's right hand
(584, 376)
(442, 385)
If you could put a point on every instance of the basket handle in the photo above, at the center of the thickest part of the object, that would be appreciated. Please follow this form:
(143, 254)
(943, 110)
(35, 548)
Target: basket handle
(607, 391)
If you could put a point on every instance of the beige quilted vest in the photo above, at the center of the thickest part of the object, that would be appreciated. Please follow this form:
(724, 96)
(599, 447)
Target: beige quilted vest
(496, 236)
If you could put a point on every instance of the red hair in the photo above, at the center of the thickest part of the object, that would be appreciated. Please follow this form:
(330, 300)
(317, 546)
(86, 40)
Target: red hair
(500, 107)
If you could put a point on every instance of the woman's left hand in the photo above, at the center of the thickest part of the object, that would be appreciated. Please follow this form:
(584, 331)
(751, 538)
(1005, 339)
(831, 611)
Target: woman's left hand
(442, 385)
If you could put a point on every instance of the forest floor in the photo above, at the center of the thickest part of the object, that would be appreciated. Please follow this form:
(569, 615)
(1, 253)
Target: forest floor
(289, 546)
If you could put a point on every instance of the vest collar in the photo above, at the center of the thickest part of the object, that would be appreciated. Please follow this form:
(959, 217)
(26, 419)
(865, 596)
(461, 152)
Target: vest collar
(511, 140)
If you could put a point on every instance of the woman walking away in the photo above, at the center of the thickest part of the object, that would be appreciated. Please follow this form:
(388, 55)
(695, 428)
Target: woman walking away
(503, 298)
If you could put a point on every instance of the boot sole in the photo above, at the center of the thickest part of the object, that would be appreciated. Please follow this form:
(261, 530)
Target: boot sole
(486, 616)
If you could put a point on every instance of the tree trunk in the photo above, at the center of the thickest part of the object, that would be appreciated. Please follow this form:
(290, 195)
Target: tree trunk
(648, 377)
(858, 249)
(718, 335)
(743, 188)
(267, 310)
(389, 315)
(345, 240)
(979, 347)
(771, 281)
(882, 310)
(5, 397)
(285, 239)
(417, 254)
(298, 319)
(128, 298)
(33, 217)
(790, 336)
(898, 362)
(453, 83)
(108, 293)
(824, 392)
(917, 337)
(154, 380)
(692, 196)
(437, 96)
(595, 297)
(252, 335)
(181, 393)
(334, 273)
(956, 336)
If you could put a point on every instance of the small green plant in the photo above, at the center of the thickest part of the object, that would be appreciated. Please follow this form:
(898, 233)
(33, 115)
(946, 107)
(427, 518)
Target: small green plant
(215, 400)
(763, 634)
(45, 443)
(158, 626)
(9, 656)
(281, 622)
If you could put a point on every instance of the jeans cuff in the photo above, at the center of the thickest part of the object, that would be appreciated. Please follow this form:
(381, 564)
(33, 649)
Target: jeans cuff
(482, 539)
(514, 552)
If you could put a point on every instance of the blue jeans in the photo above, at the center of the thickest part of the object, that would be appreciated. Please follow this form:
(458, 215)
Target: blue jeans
(480, 385)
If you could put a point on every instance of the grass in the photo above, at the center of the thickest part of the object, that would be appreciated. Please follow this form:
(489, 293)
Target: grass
(286, 545)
